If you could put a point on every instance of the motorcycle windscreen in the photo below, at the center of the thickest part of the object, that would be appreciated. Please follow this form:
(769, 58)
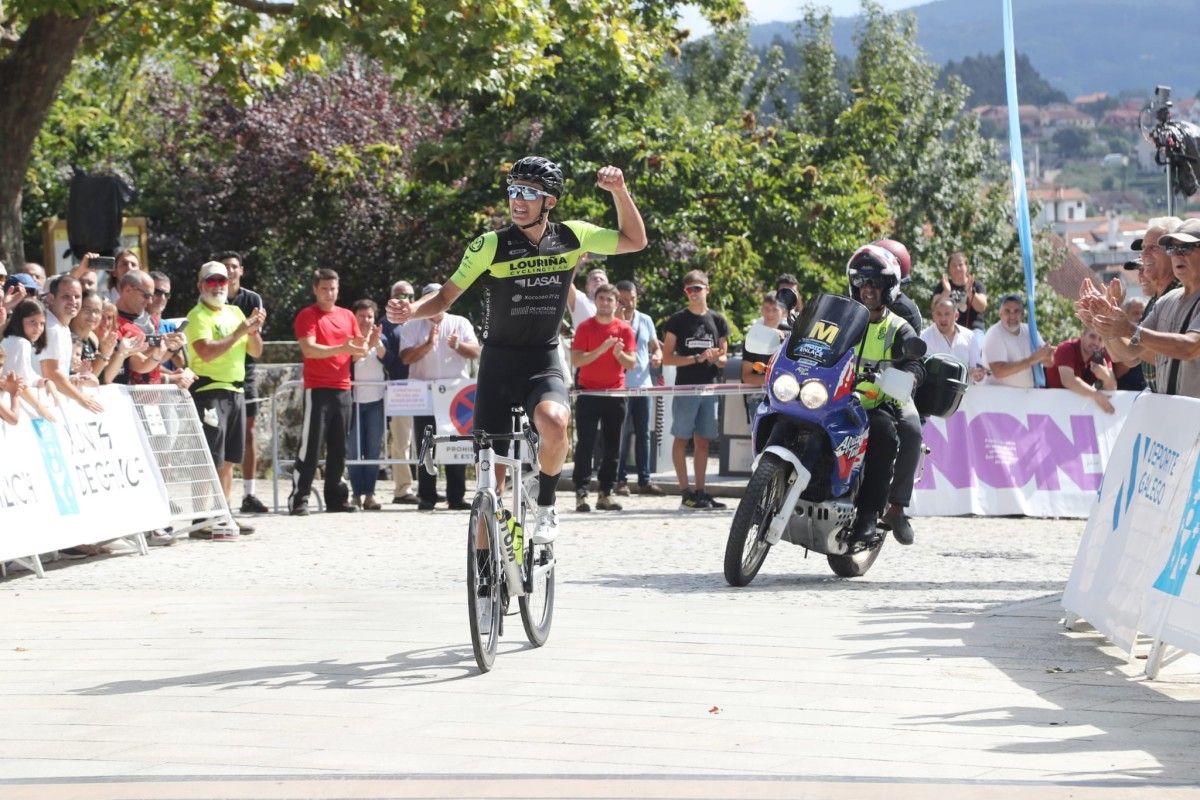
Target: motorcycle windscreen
(829, 326)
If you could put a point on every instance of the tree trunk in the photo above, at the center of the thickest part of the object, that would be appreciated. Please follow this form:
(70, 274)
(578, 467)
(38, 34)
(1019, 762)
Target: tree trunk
(30, 77)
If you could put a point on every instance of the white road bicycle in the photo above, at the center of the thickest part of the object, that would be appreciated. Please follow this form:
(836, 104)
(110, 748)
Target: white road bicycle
(502, 561)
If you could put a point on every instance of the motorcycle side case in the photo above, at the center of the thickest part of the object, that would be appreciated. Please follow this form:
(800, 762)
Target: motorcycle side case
(941, 393)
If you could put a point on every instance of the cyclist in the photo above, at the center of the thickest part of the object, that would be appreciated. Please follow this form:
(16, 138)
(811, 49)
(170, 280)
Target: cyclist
(874, 277)
(528, 268)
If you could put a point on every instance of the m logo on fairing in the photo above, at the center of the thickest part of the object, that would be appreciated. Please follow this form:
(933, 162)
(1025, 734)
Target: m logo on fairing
(824, 331)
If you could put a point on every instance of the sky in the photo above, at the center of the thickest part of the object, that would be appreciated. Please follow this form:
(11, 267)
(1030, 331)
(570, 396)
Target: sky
(787, 11)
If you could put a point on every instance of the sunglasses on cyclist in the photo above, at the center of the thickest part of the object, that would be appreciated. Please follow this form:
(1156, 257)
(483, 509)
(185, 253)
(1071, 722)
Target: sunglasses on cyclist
(1181, 249)
(526, 193)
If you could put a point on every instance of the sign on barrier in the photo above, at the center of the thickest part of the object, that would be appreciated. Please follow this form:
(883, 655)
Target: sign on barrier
(83, 479)
(1134, 568)
(454, 412)
(407, 399)
(1033, 452)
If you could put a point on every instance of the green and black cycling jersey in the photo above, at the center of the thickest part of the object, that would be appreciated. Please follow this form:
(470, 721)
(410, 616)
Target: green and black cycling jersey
(526, 284)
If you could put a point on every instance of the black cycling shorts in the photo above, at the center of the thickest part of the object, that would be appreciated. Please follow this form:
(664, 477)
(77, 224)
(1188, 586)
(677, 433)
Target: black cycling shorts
(510, 378)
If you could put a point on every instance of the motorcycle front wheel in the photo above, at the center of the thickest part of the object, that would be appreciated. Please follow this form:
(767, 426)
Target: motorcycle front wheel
(747, 547)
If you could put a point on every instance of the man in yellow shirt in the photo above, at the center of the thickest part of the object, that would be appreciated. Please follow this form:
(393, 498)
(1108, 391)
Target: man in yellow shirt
(219, 337)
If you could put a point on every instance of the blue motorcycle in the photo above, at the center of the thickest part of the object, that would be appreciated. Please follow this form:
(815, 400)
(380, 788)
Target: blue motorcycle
(809, 436)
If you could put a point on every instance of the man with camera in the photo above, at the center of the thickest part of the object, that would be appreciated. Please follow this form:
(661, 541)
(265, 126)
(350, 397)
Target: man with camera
(219, 338)
(135, 291)
(1082, 366)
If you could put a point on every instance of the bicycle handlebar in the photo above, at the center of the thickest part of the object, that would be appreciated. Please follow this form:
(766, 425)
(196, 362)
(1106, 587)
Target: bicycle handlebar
(481, 438)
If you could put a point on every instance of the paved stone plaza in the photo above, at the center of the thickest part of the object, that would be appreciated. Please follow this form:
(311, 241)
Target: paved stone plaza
(337, 645)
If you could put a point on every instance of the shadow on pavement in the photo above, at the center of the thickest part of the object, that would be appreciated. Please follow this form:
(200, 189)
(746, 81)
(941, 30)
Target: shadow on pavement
(693, 582)
(422, 667)
(1086, 686)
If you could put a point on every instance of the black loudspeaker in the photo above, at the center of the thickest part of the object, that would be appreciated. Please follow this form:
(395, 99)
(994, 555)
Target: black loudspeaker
(95, 212)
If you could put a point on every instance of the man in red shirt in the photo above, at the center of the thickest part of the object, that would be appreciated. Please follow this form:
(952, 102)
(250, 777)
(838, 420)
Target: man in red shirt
(144, 366)
(329, 340)
(1083, 366)
(603, 348)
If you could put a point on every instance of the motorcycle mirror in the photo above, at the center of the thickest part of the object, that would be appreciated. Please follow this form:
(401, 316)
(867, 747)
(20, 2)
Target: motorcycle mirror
(787, 297)
(914, 348)
(763, 340)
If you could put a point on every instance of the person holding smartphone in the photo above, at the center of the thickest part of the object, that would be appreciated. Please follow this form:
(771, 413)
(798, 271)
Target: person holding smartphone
(1082, 366)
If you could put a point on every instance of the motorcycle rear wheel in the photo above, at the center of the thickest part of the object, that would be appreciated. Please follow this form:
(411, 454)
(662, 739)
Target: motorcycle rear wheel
(747, 549)
(855, 566)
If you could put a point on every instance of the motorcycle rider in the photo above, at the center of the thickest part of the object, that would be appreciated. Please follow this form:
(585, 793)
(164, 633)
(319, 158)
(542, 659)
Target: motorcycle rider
(911, 439)
(874, 276)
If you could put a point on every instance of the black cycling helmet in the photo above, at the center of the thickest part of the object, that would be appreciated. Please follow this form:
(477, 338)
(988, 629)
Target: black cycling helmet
(538, 170)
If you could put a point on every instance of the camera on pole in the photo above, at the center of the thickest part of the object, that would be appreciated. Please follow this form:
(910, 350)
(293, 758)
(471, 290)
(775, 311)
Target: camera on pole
(1176, 142)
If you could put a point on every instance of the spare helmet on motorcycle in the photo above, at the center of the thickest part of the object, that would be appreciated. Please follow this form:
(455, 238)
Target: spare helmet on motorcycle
(538, 170)
(900, 252)
(873, 265)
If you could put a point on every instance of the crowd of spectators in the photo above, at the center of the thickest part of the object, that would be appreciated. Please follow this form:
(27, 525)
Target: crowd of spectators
(65, 336)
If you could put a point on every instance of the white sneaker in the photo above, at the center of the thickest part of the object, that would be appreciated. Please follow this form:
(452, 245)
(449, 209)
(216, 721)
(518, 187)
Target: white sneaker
(545, 525)
(160, 538)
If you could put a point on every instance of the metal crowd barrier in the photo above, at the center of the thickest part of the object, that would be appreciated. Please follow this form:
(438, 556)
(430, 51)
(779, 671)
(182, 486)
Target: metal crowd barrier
(173, 427)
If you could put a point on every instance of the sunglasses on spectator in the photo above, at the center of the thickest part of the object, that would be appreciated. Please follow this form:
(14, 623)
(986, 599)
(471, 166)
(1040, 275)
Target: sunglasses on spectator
(695, 287)
(404, 295)
(1181, 249)
(215, 280)
(161, 293)
(526, 193)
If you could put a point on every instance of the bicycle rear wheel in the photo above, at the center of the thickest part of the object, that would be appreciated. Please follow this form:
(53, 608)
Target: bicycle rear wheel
(537, 604)
(483, 582)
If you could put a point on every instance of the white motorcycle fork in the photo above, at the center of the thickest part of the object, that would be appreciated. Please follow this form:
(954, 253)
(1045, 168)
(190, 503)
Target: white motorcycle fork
(800, 478)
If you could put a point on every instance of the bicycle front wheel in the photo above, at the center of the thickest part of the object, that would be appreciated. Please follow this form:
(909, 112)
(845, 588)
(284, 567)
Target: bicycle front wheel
(537, 604)
(483, 581)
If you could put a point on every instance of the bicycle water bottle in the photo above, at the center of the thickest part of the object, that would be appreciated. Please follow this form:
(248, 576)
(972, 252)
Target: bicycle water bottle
(511, 536)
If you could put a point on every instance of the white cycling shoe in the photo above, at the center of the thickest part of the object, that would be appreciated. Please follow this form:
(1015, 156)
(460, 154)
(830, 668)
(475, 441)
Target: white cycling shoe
(545, 525)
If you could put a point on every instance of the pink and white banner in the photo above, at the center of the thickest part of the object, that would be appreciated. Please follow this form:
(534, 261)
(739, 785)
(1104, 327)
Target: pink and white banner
(1033, 452)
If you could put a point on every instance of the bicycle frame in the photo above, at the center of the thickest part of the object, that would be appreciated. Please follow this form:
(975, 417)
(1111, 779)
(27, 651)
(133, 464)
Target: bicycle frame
(486, 461)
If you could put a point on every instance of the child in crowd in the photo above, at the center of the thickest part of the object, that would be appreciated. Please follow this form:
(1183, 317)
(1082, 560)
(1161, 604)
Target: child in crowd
(12, 385)
(25, 337)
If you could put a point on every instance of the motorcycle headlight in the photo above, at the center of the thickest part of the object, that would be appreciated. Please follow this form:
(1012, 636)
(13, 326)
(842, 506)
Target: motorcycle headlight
(813, 394)
(785, 388)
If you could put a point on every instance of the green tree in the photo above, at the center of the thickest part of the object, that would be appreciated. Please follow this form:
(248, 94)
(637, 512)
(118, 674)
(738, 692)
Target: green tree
(444, 46)
(1072, 143)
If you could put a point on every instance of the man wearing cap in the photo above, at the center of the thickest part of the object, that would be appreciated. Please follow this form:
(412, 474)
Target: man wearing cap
(1170, 331)
(220, 337)
(1154, 274)
(439, 348)
(248, 301)
(696, 343)
(1008, 350)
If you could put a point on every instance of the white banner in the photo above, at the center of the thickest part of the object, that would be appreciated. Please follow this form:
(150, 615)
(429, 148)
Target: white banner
(84, 479)
(454, 412)
(1132, 571)
(1033, 452)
